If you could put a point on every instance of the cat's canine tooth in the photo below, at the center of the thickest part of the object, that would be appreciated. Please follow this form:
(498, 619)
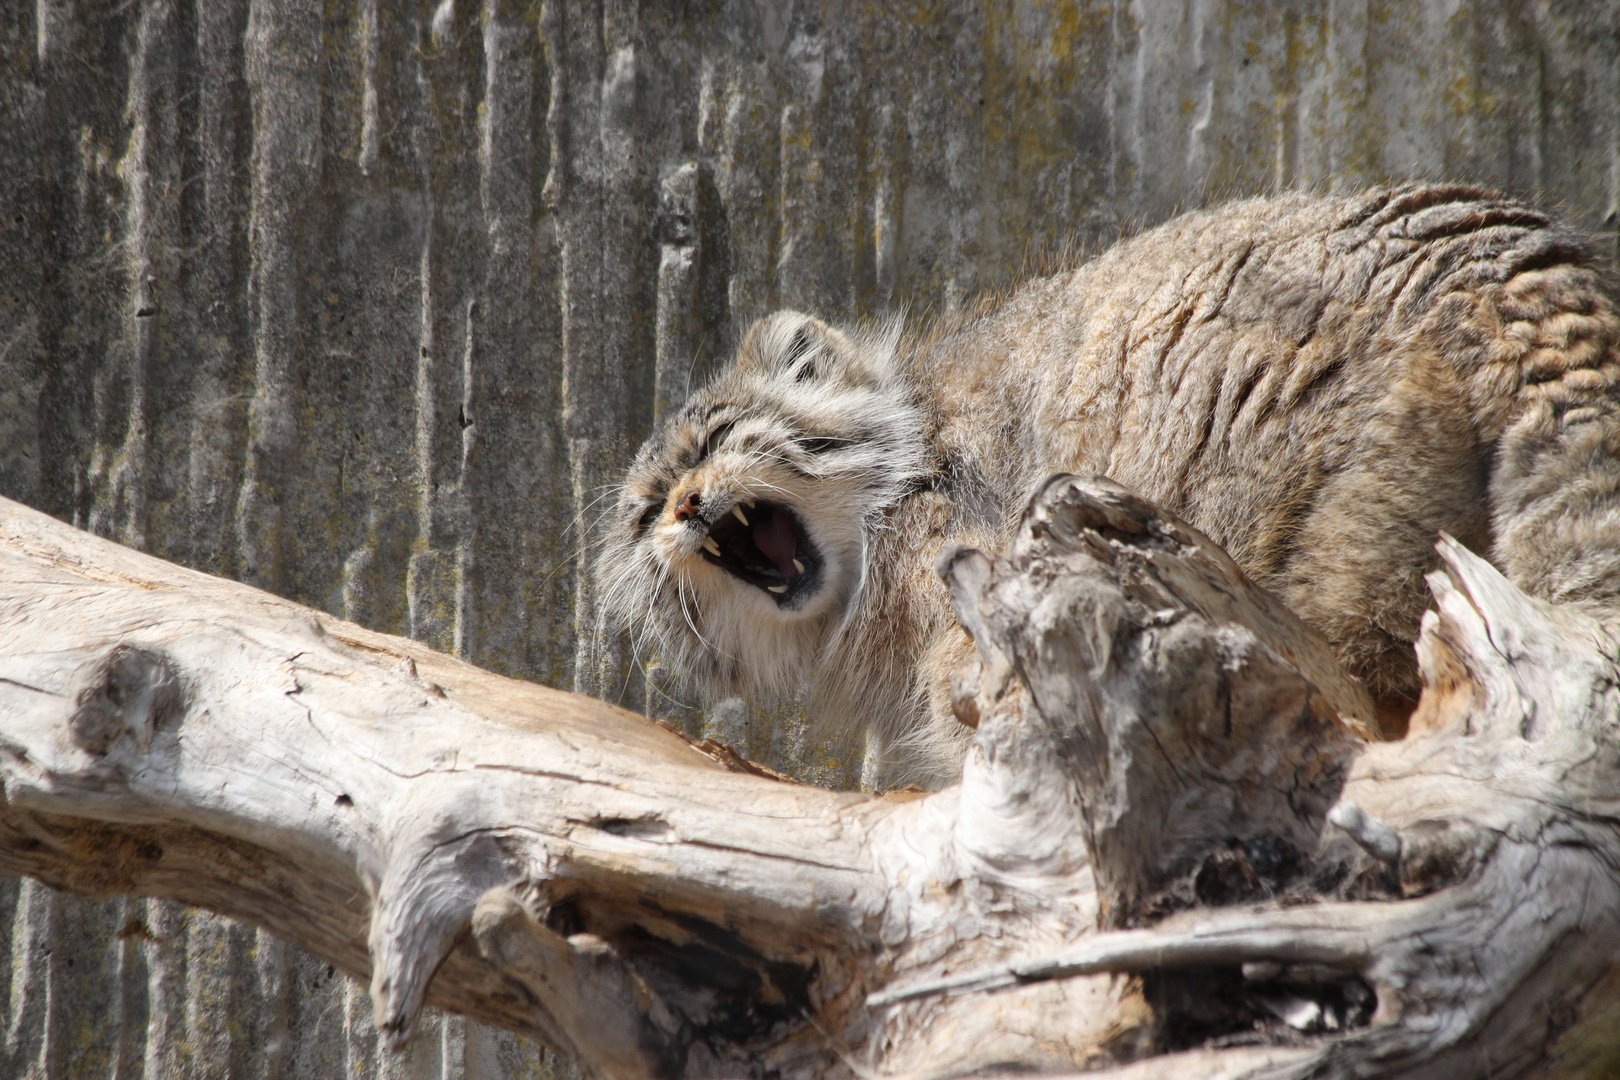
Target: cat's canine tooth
(711, 547)
(799, 566)
(776, 588)
(738, 511)
(747, 502)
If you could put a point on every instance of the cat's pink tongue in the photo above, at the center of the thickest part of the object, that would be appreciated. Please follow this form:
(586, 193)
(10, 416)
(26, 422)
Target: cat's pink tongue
(776, 541)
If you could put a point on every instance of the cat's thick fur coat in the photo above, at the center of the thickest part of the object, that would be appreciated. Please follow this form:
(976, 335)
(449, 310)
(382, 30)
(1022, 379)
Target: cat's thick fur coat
(1319, 384)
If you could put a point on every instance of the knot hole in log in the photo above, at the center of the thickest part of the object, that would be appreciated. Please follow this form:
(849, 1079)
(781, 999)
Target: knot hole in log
(606, 1013)
(129, 691)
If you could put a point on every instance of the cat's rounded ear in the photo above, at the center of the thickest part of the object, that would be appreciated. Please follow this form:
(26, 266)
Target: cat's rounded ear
(794, 344)
(805, 349)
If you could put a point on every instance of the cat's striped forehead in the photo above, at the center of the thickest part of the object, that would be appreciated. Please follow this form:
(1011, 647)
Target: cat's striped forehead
(712, 422)
(802, 402)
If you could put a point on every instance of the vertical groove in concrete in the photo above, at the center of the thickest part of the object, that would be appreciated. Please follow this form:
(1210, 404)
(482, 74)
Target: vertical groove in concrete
(576, 209)
(23, 242)
(272, 963)
(360, 1041)
(314, 1008)
(29, 982)
(808, 230)
(677, 339)
(283, 61)
(520, 504)
(367, 33)
(169, 999)
(11, 893)
(590, 375)
(216, 428)
(747, 160)
(150, 170)
(424, 584)
(463, 640)
(130, 987)
(675, 349)
(213, 953)
(452, 256)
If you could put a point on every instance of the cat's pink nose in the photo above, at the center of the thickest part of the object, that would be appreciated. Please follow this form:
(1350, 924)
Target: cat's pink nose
(688, 507)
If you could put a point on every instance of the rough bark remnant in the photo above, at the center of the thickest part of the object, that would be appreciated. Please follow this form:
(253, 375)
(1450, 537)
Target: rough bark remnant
(1172, 851)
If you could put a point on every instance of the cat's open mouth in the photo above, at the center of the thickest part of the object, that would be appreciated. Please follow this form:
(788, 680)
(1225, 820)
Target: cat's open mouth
(764, 544)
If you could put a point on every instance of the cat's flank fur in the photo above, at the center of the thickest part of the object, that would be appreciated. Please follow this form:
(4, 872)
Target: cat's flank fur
(1319, 384)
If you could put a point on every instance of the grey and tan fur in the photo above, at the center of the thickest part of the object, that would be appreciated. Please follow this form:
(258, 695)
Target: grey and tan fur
(1320, 384)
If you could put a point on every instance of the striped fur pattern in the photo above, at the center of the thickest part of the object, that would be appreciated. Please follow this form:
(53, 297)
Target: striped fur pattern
(1320, 384)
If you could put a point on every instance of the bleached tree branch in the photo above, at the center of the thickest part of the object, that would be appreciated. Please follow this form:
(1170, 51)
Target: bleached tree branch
(1173, 850)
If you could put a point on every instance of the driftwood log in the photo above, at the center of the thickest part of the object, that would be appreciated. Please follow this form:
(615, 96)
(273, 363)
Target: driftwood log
(1174, 851)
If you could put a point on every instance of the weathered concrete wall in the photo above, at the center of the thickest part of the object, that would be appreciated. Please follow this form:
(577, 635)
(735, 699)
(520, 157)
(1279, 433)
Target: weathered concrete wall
(365, 302)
